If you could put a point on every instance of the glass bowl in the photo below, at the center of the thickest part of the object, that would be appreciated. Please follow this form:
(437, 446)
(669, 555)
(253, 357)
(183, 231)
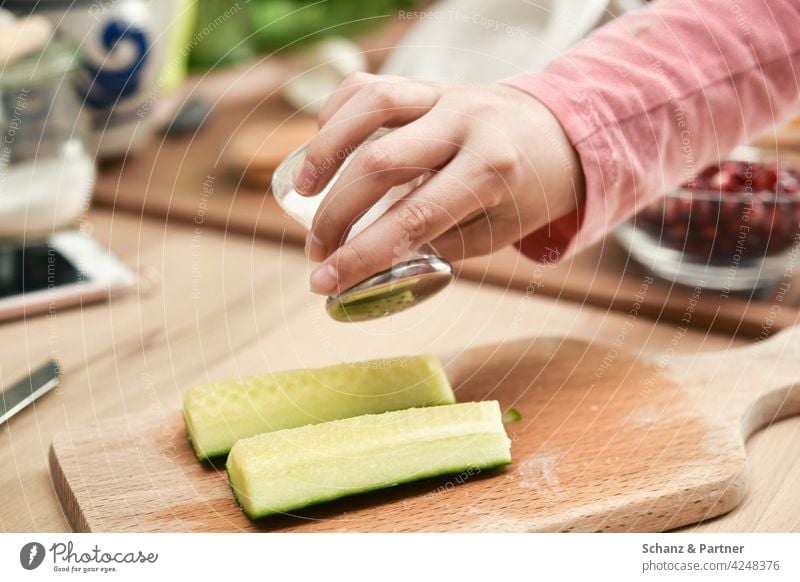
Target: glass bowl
(46, 165)
(732, 227)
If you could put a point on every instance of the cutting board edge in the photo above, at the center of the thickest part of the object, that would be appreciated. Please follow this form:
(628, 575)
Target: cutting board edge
(731, 490)
(67, 498)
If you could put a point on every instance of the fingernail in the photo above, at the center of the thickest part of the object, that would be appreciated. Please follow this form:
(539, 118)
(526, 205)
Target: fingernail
(306, 179)
(323, 280)
(315, 249)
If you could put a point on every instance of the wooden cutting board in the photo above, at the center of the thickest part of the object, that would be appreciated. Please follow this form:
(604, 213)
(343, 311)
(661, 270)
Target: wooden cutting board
(607, 441)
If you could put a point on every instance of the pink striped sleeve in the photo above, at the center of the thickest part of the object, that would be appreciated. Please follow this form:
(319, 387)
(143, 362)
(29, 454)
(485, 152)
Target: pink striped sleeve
(656, 95)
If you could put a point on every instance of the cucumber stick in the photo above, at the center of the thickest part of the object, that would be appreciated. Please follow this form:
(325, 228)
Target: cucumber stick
(219, 414)
(290, 469)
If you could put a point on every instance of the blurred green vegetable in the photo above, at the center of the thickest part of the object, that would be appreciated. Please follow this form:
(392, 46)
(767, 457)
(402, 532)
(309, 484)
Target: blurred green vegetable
(222, 34)
(282, 24)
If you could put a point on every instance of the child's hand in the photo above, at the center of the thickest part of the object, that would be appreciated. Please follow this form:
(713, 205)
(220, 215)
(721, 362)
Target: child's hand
(502, 168)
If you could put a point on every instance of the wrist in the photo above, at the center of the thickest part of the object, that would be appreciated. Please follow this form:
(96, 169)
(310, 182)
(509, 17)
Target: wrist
(553, 166)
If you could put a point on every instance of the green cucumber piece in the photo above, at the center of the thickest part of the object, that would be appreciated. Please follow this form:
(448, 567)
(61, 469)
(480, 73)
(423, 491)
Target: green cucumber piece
(512, 415)
(219, 414)
(290, 469)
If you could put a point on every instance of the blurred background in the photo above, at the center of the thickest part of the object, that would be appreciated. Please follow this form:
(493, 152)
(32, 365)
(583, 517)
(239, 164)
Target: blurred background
(140, 105)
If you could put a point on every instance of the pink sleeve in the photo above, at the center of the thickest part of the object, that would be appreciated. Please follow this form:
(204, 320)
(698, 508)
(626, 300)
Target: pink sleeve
(653, 97)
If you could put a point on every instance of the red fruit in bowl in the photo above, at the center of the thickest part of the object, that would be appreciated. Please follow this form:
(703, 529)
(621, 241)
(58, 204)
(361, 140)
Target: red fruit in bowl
(787, 182)
(722, 181)
(730, 211)
(755, 211)
(741, 210)
(764, 179)
(702, 211)
(651, 213)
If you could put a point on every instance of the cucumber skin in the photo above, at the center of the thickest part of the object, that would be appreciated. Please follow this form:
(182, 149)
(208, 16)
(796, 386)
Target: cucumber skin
(447, 397)
(285, 510)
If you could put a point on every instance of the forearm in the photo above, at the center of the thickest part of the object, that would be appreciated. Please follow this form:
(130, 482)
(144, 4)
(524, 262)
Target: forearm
(650, 99)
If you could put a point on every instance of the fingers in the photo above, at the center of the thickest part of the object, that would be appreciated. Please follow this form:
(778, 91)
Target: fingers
(348, 88)
(442, 201)
(394, 159)
(380, 103)
(473, 238)
(494, 165)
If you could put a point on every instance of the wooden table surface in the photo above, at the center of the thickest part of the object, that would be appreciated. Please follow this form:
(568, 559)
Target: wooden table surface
(228, 305)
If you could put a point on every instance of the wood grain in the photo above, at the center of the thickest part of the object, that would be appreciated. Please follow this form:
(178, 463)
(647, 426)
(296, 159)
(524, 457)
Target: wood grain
(607, 442)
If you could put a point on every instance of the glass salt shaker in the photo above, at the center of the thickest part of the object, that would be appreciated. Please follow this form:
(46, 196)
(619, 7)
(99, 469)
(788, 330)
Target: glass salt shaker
(407, 283)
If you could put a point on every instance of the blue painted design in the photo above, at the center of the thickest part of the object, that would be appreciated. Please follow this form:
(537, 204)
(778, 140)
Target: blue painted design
(106, 86)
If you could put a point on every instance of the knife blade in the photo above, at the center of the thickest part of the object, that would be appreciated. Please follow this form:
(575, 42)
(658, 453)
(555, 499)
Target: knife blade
(21, 393)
